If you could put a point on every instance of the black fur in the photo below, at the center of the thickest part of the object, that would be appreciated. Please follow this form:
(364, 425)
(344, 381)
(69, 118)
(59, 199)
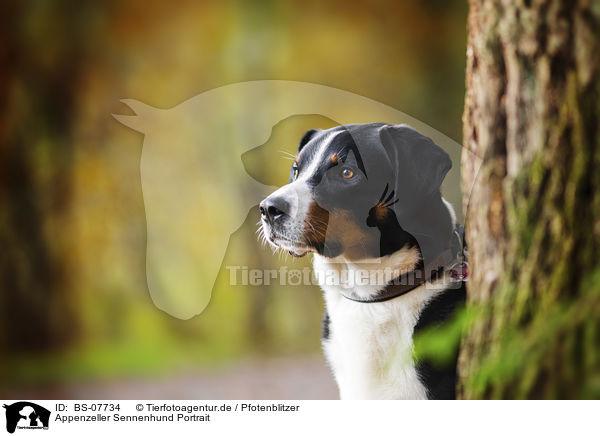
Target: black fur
(392, 236)
(325, 326)
(440, 381)
(306, 138)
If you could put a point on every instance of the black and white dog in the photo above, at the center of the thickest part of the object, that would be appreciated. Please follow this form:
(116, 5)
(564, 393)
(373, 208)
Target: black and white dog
(365, 199)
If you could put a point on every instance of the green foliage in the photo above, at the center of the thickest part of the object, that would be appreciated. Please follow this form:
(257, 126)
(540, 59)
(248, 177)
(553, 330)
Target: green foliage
(526, 356)
(440, 343)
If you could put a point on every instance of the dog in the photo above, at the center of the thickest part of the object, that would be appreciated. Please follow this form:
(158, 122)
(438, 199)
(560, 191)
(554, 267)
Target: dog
(365, 199)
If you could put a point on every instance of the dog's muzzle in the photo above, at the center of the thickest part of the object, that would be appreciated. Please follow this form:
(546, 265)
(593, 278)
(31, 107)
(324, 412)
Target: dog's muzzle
(279, 220)
(274, 208)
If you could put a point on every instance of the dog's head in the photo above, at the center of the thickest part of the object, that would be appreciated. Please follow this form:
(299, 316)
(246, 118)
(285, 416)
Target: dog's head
(361, 191)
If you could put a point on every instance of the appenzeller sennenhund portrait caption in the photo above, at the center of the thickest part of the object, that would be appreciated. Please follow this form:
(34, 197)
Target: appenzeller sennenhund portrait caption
(365, 200)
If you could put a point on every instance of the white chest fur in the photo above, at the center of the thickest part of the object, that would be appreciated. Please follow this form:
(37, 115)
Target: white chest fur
(370, 345)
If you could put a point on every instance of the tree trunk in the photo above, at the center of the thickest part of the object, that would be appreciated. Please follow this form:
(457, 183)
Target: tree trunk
(531, 115)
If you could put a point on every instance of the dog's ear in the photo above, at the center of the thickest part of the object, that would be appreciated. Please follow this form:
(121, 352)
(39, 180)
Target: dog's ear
(419, 163)
(307, 137)
(419, 167)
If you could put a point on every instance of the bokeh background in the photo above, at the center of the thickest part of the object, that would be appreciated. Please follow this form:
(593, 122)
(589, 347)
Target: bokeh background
(76, 317)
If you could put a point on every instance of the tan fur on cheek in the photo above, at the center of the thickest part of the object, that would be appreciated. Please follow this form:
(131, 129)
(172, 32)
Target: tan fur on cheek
(340, 228)
(356, 242)
(316, 224)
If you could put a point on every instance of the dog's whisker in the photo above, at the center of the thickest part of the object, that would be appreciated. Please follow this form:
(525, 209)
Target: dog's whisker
(384, 192)
(310, 224)
(392, 203)
(314, 232)
(317, 221)
(293, 156)
(262, 237)
(389, 196)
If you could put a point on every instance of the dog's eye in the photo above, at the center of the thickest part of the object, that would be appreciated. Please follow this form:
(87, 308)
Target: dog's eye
(347, 173)
(295, 168)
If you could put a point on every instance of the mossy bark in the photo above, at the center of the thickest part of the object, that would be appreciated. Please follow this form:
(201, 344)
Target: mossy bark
(532, 116)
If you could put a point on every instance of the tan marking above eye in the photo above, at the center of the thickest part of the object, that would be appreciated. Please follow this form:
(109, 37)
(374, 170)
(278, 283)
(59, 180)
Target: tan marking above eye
(334, 158)
(297, 159)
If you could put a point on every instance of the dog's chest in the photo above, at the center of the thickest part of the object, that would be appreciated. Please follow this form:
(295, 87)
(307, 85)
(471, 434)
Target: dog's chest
(369, 347)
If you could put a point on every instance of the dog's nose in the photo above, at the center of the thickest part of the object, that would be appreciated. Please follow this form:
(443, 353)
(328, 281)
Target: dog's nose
(272, 208)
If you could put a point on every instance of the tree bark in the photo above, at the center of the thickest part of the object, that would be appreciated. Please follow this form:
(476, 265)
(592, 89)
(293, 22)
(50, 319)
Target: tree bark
(531, 115)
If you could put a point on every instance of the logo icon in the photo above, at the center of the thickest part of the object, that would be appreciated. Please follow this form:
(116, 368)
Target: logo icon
(26, 415)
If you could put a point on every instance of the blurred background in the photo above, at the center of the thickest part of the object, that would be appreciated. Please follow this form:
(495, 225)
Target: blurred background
(76, 316)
